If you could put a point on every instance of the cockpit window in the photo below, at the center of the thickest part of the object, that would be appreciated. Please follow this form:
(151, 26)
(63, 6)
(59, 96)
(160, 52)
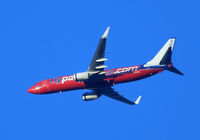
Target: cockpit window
(38, 86)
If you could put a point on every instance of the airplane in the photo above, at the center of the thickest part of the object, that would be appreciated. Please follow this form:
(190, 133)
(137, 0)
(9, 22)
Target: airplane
(101, 81)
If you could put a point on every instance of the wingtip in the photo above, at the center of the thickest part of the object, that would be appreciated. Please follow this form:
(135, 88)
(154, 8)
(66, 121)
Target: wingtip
(138, 100)
(173, 38)
(106, 32)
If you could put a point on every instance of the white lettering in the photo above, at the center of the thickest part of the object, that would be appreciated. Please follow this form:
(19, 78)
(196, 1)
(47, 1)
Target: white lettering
(125, 69)
(71, 78)
(67, 78)
(64, 79)
(119, 71)
(122, 70)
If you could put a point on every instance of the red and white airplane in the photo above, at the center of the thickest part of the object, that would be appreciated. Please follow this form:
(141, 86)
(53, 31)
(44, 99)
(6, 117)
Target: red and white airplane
(100, 81)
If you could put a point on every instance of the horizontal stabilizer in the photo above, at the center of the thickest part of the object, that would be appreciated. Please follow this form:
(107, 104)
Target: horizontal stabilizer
(174, 70)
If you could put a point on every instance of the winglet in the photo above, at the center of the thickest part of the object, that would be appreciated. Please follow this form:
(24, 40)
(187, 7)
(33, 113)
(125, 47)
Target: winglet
(106, 32)
(138, 100)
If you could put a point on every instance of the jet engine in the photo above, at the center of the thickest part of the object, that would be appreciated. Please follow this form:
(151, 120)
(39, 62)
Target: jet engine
(83, 76)
(90, 96)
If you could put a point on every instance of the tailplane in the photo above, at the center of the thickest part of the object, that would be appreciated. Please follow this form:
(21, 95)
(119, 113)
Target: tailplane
(163, 57)
(174, 70)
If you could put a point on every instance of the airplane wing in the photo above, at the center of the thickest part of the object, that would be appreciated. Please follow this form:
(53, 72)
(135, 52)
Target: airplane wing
(97, 64)
(109, 92)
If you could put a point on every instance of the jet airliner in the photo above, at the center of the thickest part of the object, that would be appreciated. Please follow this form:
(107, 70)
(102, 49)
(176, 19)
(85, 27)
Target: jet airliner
(101, 81)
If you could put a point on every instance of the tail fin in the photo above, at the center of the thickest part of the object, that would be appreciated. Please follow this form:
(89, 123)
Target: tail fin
(163, 57)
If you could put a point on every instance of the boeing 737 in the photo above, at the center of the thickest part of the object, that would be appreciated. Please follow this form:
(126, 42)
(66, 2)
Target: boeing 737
(101, 81)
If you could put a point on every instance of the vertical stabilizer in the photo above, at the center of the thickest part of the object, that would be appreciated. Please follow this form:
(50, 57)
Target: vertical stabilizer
(163, 57)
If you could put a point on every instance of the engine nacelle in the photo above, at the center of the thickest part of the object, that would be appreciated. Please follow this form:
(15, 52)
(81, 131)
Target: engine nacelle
(83, 76)
(90, 96)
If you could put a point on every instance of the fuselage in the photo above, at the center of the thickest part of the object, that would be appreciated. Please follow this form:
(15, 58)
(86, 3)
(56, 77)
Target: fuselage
(112, 77)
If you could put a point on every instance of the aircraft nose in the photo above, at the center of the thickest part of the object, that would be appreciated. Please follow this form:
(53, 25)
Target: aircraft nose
(32, 90)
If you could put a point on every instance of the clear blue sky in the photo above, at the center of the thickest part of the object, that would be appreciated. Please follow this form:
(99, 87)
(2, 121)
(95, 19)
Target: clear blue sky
(43, 39)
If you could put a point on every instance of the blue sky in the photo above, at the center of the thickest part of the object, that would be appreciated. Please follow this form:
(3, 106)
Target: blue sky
(44, 39)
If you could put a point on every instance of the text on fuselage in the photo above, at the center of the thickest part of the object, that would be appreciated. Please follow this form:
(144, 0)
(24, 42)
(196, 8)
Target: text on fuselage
(122, 70)
(67, 78)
